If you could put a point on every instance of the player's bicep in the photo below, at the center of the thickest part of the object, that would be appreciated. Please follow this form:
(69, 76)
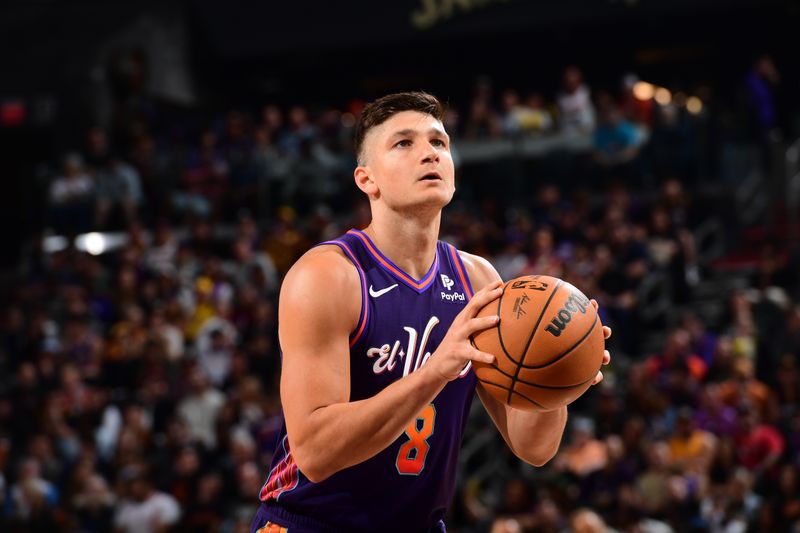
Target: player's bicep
(316, 315)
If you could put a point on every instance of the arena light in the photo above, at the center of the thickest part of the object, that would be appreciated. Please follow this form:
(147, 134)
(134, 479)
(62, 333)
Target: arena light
(12, 113)
(663, 96)
(694, 105)
(54, 243)
(643, 90)
(94, 243)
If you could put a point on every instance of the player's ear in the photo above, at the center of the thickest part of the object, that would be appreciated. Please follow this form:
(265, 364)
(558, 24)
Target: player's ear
(364, 181)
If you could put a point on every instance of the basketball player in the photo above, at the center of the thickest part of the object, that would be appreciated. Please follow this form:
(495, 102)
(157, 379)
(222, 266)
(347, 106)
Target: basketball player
(374, 329)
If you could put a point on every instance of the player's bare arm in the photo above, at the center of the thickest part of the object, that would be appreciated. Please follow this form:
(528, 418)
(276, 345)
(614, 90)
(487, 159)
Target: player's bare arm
(319, 307)
(534, 437)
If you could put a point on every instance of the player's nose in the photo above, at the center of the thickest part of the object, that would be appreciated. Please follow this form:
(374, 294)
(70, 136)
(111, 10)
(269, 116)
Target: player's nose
(430, 154)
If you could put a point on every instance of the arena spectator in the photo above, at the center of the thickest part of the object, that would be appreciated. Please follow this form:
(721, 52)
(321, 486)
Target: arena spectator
(207, 510)
(300, 131)
(617, 144)
(653, 484)
(272, 120)
(143, 509)
(587, 521)
(677, 360)
(98, 149)
(788, 382)
(674, 148)
(214, 349)
(759, 445)
(534, 117)
(742, 389)
(512, 111)
(734, 506)
(543, 258)
(584, 454)
(575, 108)
(160, 165)
(691, 449)
(703, 341)
(515, 512)
(200, 408)
(783, 502)
(161, 253)
(482, 120)
(205, 180)
(761, 83)
(271, 169)
(32, 499)
(615, 139)
(713, 415)
(602, 489)
(118, 184)
(94, 505)
(314, 176)
(71, 197)
(511, 261)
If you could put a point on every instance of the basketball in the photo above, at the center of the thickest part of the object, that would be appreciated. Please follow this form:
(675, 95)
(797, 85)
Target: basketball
(548, 345)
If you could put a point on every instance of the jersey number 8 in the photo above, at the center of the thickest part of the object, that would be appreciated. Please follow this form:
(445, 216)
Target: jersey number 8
(412, 454)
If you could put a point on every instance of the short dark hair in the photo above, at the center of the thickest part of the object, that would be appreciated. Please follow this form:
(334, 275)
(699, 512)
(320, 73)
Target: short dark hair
(384, 108)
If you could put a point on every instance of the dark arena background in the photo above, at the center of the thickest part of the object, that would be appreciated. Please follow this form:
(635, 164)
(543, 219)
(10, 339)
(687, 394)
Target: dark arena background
(164, 163)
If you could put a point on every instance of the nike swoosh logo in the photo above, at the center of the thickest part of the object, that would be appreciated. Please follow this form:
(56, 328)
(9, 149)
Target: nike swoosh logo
(375, 294)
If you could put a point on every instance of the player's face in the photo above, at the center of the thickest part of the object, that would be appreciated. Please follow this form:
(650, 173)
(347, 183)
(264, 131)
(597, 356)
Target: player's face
(408, 162)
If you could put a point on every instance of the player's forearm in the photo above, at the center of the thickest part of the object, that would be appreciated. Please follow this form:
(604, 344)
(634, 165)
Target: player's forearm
(341, 435)
(535, 437)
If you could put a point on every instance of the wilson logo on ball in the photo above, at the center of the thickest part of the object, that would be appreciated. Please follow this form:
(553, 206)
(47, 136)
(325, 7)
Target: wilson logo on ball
(576, 303)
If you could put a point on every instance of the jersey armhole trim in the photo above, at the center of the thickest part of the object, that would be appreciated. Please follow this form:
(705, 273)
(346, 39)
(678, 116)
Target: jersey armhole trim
(461, 270)
(364, 316)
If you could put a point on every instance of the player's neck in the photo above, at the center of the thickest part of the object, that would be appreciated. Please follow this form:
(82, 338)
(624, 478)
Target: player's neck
(409, 242)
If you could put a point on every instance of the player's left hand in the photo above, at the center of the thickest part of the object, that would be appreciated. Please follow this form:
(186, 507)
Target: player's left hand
(606, 355)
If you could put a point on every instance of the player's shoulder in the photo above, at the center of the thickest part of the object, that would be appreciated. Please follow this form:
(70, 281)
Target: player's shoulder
(322, 286)
(479, 269)
(320, 299)
(325, 266)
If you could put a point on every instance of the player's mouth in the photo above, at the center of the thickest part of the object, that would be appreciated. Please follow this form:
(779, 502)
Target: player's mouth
(431, 176)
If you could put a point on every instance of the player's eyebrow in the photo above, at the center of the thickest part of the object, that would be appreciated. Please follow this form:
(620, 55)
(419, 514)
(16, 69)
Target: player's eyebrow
(408, 132)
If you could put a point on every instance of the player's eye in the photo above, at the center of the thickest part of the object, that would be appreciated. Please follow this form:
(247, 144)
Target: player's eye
(438, 142)
(404, 143)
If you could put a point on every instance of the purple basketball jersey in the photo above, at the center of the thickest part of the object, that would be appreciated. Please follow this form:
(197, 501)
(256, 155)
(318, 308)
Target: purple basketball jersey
(408, 486)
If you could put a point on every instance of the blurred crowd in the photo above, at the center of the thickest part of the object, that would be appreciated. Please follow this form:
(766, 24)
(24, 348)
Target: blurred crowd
(139, 388)
(153, 162)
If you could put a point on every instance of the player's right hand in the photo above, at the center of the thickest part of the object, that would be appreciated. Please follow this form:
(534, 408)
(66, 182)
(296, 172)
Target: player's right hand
(456, 350)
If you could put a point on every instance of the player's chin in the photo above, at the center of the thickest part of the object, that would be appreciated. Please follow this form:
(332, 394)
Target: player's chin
(432, 198)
